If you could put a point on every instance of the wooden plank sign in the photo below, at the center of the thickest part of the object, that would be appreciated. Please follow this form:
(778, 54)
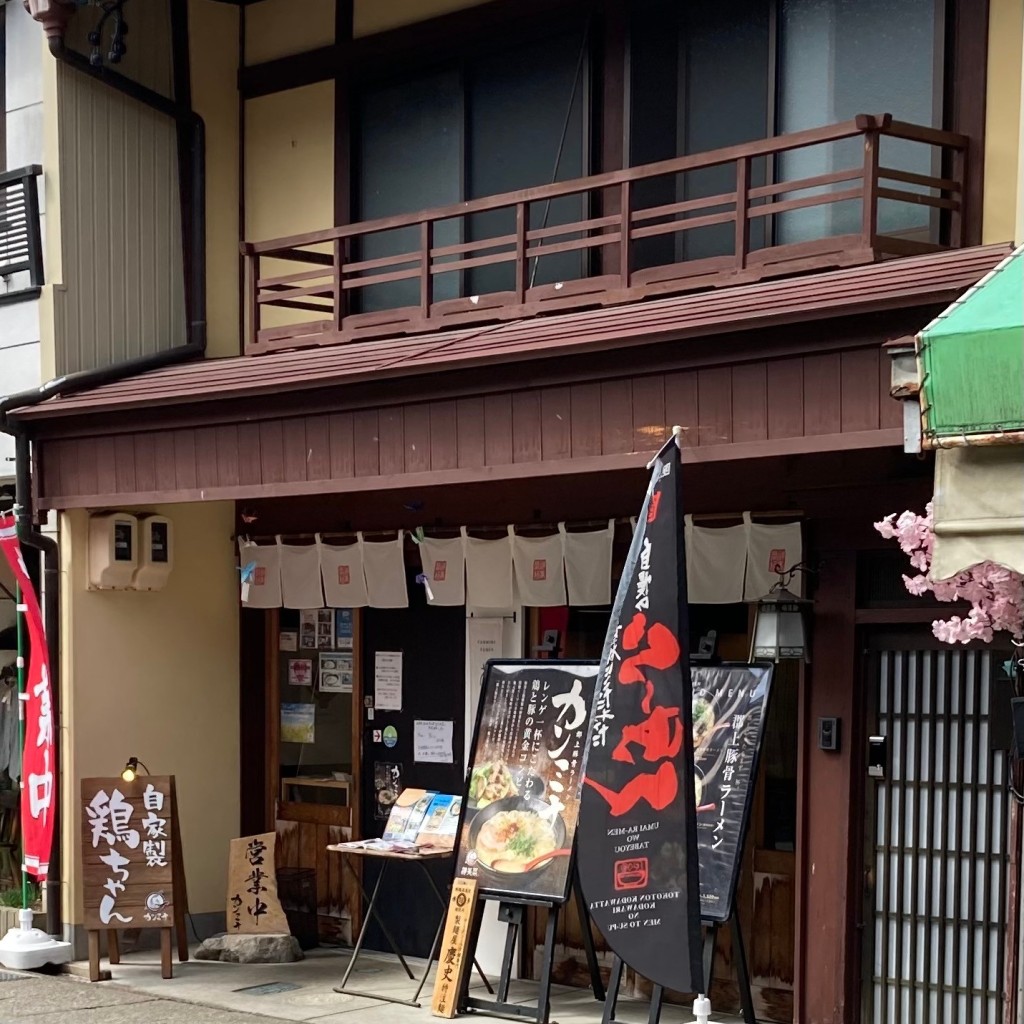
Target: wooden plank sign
(452, 962)
(128, 849)
(253, 905)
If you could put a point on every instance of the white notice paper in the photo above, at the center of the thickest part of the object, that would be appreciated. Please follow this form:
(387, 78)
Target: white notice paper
(387, 681)
(432, 741)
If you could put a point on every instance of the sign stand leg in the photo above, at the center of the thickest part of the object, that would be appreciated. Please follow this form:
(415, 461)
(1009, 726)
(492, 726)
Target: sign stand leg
(166, 968)
(513, 915)
(180, 908)
(596, 984)
(742, 973)
(113, 946)
(611, 998)
(544, 992)
(94, 955)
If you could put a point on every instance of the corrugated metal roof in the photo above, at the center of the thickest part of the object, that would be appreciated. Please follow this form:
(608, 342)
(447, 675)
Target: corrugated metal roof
(937, 277)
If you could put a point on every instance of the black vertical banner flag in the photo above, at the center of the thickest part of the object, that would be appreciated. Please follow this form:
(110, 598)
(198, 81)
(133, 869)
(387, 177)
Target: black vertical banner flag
(637, 832)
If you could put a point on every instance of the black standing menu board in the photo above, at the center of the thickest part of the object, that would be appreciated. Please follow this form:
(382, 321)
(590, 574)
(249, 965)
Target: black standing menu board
(729, 706)
(525, 774)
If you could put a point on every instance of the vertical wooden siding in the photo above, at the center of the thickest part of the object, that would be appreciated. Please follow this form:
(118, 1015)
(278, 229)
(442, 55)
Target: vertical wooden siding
(122, 293)
(803, 396)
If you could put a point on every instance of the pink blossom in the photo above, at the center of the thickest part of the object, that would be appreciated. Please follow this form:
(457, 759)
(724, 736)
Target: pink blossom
(996, 594)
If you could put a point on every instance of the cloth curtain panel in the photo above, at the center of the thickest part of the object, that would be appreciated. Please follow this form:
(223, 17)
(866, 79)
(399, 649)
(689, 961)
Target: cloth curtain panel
(978, 508)
(771, 548)
(341, 568)
(262, 589)
(488, 571)
(384, 568)
(588, 565)
(715, 560)
(444, 565)
(300, 575)
(540, 570)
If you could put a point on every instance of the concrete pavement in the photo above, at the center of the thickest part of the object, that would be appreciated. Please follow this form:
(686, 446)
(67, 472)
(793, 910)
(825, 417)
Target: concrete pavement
(202, 992)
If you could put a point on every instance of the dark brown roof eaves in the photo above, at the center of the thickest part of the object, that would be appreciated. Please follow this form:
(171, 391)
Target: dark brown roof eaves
(919, 280)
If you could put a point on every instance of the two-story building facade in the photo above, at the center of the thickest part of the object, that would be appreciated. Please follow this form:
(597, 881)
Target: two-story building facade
(348, 269)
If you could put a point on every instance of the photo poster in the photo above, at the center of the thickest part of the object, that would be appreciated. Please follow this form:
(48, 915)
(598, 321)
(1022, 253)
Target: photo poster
(387, 788)
(336, 672)
(300, 671)
(525, 775)
(344, 630)
(298, 723)
(730, 702)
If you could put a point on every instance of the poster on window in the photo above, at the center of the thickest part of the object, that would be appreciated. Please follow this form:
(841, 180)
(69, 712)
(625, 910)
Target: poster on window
(522, 801)
(127, 852)
(729, 704)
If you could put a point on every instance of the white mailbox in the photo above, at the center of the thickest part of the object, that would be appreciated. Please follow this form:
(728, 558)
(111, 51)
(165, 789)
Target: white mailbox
(113, 550)
(156, 552)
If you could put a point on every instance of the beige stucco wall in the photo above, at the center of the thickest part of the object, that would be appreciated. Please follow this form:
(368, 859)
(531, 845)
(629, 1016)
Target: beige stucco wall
(1004, 134)
(214, 56)
(371, 16)
(276, 28)
(155, 675)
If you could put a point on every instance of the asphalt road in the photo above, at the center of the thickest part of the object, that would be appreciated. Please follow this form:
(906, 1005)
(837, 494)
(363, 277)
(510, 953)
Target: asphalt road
(35, 999)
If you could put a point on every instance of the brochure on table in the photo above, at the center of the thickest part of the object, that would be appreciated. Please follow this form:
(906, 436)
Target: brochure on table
(420, 820)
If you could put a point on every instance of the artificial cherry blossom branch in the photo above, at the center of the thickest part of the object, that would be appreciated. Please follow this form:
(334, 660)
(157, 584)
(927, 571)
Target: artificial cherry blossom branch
(996, 593)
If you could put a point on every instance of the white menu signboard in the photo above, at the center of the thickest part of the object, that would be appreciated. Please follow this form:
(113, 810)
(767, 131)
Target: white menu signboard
(387, 681)
(432, 741)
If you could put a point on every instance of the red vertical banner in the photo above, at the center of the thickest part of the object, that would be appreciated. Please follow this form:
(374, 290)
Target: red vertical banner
(38, 785)
(637, 850)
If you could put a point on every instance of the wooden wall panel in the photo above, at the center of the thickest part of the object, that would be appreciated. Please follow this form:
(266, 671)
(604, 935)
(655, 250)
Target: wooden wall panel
(556, 423)
(714, 406)
(649, 421)
(469, 414)
(756, 408)
(682, 407)
(859, 377)
(822, 394)
(498, 430)
(784, 388)
(366, 438)
(749, 403)
(444, 436)
(586, 420)
(318, 448)
(526, 427)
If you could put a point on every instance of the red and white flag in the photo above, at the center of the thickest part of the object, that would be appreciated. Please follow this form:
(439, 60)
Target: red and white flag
(38, 789)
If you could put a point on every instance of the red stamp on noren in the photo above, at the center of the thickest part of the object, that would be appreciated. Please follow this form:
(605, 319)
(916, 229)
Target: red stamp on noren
(777, 560)
(631, 874)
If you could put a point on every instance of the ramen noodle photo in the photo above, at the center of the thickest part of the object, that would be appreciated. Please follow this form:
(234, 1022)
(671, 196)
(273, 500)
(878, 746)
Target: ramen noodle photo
(511, 839)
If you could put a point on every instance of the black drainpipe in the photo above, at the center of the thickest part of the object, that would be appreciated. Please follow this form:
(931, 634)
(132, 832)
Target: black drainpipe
(192, 186)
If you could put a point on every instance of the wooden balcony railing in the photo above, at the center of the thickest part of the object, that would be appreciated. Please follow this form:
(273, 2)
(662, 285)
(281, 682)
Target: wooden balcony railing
(333, 285)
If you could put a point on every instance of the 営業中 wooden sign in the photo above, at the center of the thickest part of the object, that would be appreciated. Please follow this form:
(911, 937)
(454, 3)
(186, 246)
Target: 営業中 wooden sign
(253, 905)
(132, 869)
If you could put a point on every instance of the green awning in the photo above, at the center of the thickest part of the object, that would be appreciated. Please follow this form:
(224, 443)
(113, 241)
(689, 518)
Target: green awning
(972, 361)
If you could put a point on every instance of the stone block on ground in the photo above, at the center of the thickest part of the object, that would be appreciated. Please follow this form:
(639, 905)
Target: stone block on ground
(251, 949)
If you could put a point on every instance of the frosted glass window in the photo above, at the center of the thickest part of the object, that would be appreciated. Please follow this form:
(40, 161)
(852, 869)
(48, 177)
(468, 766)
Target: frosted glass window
(409, 158)
(840, 58)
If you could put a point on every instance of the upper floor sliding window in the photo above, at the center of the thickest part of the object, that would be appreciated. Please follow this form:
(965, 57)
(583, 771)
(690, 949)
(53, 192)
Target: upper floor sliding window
(489, 124)
(705, 76)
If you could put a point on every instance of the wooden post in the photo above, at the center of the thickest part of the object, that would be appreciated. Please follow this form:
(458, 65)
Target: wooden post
(426, 279)
(625, 217)
(338, 293)
(742, 221)
(180, 905)
(252, 269)
(113, 946)
(520, 253)
(869, 190)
